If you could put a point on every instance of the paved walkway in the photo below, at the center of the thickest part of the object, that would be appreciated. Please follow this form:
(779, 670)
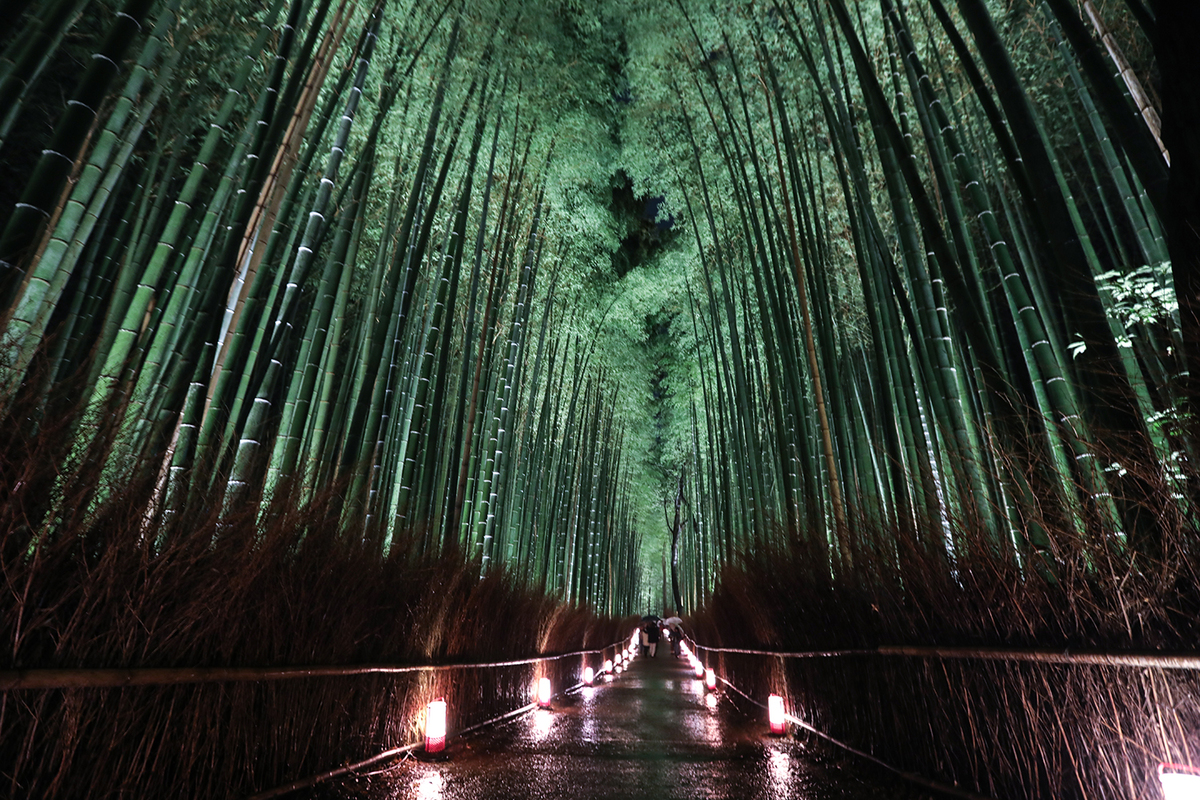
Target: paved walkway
(651, 733)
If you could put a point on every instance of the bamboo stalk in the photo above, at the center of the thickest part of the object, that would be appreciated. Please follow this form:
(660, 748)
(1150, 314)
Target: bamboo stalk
(1136, 91)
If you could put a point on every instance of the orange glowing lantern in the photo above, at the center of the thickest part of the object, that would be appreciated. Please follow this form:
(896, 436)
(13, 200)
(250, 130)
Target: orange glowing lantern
(435, 726)
(588, 675)
(710, 679)
(544, 694)
(1179, 782)
(775, 713)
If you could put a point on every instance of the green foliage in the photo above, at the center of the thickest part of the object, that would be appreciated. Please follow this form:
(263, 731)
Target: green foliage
(597, 108)
(1144, 296)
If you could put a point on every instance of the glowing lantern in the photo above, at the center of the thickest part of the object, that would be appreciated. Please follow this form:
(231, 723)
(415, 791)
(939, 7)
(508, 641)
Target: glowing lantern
(608, 665)
(1179, 782)
(544, 693)
(710, 679)
(775, 713)
(620, 669)
(588, 675)
(699, 669)
(435, 726)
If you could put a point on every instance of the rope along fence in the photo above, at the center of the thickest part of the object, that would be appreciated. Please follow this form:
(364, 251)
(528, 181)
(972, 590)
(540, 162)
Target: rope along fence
(1044, 656)
(101, 678)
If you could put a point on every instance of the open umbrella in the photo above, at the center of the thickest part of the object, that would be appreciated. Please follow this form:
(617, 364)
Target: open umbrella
(672, 621)
(650, 618)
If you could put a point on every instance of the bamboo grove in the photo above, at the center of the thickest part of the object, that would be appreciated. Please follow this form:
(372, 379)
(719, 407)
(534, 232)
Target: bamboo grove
(917, 270)
(868, 306)
(323, 262)
(915, 302)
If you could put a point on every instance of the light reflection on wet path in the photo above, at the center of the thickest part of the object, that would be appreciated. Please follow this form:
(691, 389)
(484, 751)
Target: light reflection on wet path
(652, 733)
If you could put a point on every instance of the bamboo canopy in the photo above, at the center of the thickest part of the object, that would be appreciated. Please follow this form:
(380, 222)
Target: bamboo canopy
(342, 334)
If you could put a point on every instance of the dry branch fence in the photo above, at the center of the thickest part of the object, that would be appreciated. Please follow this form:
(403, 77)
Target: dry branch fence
(173, 667)
(1004, 722)
(234, 731)
(224, 651)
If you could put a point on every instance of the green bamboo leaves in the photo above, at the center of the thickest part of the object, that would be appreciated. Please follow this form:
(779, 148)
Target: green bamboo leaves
(360, 260)
(319, 285)
(960, 413)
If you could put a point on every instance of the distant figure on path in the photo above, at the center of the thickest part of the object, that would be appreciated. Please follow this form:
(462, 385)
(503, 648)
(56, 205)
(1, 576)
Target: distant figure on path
(645, 640)
(652, 636)
(674, 633)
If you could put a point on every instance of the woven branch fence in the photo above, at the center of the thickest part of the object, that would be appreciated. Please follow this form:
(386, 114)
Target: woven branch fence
(1001, 722)
(234, 732)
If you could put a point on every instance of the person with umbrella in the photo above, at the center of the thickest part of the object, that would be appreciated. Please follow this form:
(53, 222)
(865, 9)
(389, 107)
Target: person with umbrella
(676, 633)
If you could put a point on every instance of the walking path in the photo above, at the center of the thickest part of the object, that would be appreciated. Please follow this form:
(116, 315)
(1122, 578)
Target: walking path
(652, 733)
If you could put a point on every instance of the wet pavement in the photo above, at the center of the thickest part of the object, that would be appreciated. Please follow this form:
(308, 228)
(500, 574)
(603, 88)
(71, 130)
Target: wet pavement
(653, 732)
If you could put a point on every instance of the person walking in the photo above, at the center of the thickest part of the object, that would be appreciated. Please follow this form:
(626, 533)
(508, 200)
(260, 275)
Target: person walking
(674, 633)
(645, 641)
(652, 636)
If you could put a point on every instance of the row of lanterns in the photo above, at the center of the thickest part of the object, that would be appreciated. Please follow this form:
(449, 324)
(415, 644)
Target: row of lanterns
(1179, 782)
(775, 714)
(435, 711)
(710, 677)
